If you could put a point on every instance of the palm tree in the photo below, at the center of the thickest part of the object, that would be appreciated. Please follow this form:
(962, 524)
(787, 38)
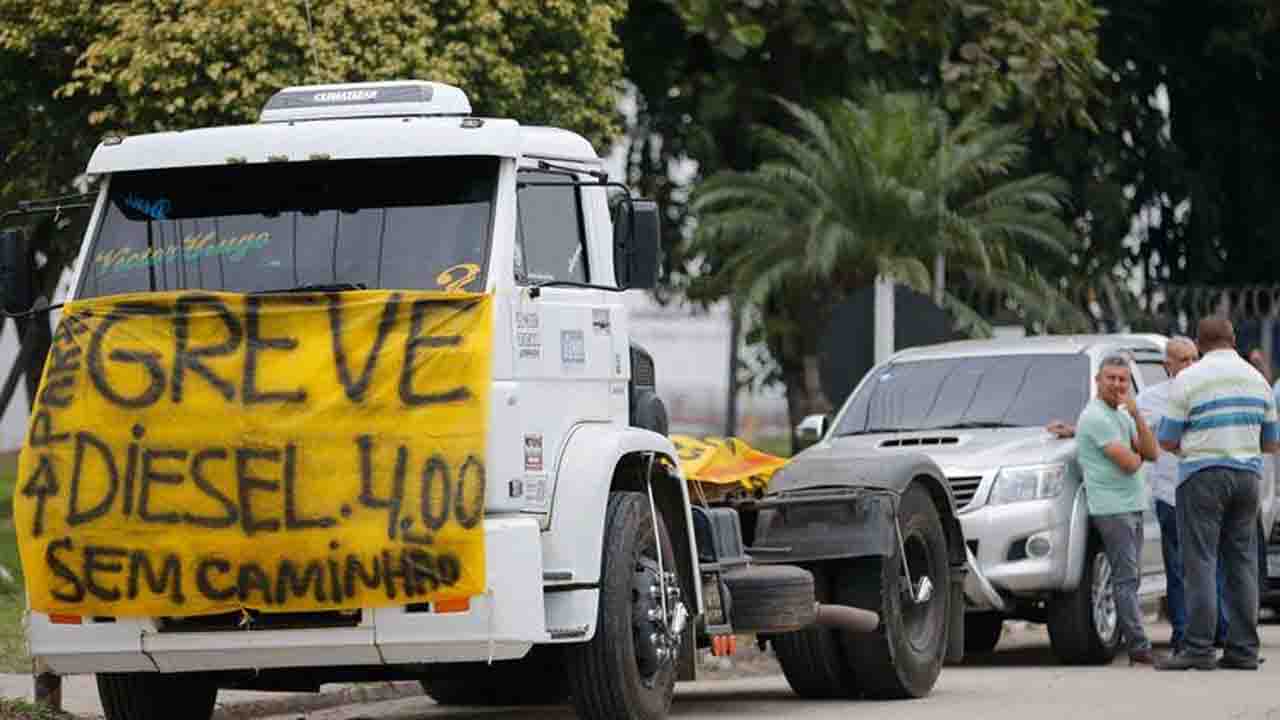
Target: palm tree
(878, 186)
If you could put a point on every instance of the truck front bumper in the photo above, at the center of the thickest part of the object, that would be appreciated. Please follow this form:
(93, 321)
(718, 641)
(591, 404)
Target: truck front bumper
(1016, 549)
(503, 623)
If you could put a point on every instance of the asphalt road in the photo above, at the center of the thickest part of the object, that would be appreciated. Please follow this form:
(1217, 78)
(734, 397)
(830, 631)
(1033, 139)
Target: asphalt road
(1019, 682)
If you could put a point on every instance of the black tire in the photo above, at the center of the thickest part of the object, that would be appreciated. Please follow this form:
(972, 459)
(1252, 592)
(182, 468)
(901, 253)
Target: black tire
(813, 659)
(770, 598)
(156, 696)
(535, 679)
(1074, 634)
(604, 674)
(903, 657)
(982, 632)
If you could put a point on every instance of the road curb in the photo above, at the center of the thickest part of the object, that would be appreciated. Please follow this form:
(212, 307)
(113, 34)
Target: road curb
(330, 696)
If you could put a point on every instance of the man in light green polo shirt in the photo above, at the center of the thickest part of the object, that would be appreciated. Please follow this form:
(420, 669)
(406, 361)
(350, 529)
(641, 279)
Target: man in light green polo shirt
(1112, 441)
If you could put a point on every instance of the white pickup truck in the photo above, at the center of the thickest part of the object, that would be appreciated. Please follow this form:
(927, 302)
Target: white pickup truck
(349, 394)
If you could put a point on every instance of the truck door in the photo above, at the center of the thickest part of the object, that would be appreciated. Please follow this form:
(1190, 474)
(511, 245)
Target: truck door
(570, 360)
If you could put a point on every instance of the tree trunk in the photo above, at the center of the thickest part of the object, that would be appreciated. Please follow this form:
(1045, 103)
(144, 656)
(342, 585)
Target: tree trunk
(804, 393)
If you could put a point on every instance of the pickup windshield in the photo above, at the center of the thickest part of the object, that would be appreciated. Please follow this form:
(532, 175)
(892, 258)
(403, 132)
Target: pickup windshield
(970, 392)
(411, 223)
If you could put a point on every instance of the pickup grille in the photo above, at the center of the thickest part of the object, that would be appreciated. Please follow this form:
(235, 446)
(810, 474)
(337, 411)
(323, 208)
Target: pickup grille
(964, 488)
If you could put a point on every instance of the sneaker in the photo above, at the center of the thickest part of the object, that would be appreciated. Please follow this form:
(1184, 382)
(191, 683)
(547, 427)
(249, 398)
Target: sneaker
(1227, 662)
(1182, 661)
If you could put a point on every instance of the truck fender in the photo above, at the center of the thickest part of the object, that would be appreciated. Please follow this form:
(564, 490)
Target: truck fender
(592, 456)
(1077, 541)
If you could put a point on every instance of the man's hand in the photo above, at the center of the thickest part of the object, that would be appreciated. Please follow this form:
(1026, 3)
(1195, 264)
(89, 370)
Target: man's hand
(1061, 429)
(1131, 405)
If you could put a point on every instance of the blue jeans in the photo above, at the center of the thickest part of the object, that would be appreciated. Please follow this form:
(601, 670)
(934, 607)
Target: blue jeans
(1167, 516)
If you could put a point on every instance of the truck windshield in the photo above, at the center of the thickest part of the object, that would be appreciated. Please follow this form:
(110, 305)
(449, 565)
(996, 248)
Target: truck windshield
(969, 392)
(402, 223)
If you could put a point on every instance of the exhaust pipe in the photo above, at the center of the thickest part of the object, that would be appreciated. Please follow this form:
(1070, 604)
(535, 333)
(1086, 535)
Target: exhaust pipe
(845, 617)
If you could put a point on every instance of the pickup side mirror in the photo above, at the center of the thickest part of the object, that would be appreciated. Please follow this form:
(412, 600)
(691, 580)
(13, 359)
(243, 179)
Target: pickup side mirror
(811, 429)
(17, 294)
(637, 238)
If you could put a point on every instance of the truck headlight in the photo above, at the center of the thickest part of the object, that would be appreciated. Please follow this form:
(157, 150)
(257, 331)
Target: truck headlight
(1017, 483)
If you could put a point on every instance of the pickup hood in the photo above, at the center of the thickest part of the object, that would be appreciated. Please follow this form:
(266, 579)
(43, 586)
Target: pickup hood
(957, 452)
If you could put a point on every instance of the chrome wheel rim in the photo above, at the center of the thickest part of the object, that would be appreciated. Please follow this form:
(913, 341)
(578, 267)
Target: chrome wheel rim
(1105, 620)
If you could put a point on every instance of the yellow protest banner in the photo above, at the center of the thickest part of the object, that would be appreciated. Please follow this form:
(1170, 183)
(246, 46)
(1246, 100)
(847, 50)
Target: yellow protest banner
(194, 452)
(725, 461)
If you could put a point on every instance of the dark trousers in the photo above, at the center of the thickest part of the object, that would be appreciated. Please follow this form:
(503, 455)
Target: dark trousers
(1171, 550)
(1218, 521)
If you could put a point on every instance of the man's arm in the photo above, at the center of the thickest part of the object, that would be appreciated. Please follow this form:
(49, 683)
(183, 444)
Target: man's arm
(1123, 455)
(1270, 428)
(1174, 421)
(1144, 442)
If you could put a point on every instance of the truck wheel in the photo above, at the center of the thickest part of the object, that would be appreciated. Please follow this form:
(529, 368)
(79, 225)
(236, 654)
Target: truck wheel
(812, 659)
(535, 679)
(982, 632)
(627, 671)
(903, 657)
(156, 696)
(1083, 627)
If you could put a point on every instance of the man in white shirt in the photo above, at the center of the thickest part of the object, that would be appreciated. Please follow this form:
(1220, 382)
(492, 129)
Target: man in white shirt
(1153, 402)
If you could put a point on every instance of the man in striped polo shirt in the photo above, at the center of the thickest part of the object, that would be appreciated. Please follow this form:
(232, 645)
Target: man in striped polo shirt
(1221, 418)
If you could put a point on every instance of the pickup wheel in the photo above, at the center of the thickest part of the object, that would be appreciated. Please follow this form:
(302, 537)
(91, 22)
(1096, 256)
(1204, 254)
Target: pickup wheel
(627, 671)
(535, 679)
(1083, 627)
(903, 657)
(982, 632)
(156, 696)
(813, 659)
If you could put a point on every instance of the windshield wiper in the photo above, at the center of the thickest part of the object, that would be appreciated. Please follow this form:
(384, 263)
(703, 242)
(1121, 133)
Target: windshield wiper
(535, 289)
(317, 287)
(973, 424)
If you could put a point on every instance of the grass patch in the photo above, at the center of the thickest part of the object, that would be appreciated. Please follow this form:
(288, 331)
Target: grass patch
(779, 445)
(8, 475)
(23, 710)
(13, 647)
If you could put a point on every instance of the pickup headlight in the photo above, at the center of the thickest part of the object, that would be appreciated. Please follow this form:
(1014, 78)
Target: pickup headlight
(1017, 483)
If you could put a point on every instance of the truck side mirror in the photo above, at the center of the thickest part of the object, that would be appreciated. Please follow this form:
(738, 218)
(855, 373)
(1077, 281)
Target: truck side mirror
(17, 293)
(637, 237)
(811, 429)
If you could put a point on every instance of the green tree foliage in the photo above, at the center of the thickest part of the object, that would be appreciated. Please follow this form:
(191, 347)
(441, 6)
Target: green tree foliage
(879, 186)
(1187, 143)
(706, 71)
(1036, 56)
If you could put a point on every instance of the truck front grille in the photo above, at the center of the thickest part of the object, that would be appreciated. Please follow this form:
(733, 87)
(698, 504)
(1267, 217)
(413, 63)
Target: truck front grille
(254, 620)
(963, 489)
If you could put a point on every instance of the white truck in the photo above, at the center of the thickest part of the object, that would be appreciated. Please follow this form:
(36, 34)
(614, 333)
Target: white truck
(600, 577)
